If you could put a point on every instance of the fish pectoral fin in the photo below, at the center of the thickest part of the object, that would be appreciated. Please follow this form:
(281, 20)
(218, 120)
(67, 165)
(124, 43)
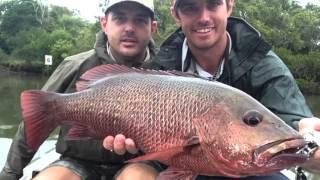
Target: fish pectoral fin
(177, 174)
(192, 141)
(79, 132)
(162, 156)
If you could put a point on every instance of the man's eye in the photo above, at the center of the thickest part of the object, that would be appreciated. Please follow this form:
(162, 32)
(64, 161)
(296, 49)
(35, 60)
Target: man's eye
(213, 4)
(119, 18)
(188, 9)
(141, 20)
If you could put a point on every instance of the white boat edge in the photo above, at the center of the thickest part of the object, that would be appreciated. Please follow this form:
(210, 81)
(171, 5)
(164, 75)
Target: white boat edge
(44, 156)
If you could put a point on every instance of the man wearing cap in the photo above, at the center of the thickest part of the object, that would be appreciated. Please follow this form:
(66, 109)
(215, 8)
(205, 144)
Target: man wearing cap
(126, 39)
(216, 46)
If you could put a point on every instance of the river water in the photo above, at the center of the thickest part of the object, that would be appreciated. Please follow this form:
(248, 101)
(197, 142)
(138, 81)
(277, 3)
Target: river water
(12, 84)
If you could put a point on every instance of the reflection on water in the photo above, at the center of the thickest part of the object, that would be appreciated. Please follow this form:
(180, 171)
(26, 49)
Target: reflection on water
(12, 84)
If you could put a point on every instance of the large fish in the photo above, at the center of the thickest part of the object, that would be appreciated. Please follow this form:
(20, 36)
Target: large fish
(192, 125)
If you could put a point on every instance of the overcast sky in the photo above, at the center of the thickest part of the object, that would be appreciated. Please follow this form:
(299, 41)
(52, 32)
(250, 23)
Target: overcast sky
(90, 8)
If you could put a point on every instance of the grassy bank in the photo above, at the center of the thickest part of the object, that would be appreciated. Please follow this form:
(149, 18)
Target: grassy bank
(21, 65)
(24, 67)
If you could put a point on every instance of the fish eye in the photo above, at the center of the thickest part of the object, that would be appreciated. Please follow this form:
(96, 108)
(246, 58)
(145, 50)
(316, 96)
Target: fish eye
(252, 118)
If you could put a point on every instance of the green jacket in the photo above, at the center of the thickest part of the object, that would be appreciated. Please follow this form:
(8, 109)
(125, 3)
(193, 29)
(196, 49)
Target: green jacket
(63, 81)
(251, 66)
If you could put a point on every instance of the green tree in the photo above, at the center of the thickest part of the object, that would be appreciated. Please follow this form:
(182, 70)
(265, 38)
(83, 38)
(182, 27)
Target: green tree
(284, 23)
(18, 15)
(30, 45)
(166, 24)
(30, 30)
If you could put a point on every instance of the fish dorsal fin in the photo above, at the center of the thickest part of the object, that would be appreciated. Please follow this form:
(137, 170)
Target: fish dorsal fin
(108, 70)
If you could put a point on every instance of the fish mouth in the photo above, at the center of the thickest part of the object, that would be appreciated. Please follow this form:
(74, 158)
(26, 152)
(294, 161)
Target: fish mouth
(280, 154)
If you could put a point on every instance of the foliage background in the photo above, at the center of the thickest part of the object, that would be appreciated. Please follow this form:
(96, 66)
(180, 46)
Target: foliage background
(29, 30)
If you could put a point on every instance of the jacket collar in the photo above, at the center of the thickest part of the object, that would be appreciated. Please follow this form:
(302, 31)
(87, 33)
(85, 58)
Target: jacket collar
(245, 39)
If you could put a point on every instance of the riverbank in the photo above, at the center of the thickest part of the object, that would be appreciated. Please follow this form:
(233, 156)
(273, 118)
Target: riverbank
(34, 68)
(23, 67)
(307, 87)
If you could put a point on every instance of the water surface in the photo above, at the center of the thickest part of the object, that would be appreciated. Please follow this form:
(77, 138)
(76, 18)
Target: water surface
(11, 85)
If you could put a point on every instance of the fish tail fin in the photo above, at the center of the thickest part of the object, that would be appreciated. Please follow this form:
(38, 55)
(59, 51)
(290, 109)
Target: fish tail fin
(38, 120)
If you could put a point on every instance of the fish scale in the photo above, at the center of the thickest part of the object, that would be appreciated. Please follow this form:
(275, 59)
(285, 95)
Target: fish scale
(136, 106)
(192, 125)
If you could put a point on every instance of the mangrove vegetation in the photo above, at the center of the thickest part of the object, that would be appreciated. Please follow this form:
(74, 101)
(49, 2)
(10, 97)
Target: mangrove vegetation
(29, 30)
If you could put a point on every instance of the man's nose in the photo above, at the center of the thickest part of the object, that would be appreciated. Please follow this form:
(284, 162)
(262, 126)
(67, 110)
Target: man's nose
(130, 26)
(204, 14)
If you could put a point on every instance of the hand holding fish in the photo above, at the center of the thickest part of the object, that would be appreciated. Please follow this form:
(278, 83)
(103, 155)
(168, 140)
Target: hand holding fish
(120, 144)
(308, 125)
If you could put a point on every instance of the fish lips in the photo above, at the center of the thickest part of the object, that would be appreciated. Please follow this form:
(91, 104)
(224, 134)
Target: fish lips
(280, 154)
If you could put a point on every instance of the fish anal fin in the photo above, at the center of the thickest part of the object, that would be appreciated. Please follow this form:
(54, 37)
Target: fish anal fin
(176, 174)
(162, 156)
(79, 132)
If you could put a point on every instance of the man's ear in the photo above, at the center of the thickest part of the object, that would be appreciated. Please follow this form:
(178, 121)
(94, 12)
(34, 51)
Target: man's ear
(175, 15)
(154, 27)
(230, 4)
(103, 23)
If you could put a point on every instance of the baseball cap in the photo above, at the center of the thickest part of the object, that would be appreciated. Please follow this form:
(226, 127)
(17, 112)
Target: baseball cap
(148, 4)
